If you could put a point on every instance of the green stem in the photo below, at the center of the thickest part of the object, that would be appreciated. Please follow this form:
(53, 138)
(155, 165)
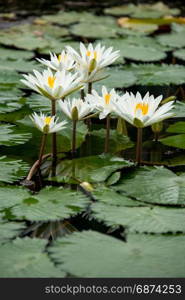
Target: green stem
(82, 92)
(89, 87)
(43, 143)
(139, 146)
(74, 137)
(88, 122)
(107, 137)
(54, 136)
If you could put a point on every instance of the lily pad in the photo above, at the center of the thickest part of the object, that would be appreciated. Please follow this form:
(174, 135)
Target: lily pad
(141, 219)
(154, 185)
(10, 135)
(51, 203)
(93, 254)
(156, 10)
(12, 170)
(98, 30)
(109, 196)
(91, 168)
(175, 40)
(17, 65)
(12, 195)
(177, 141)
(150, 74)
(27, 258)
(13, 54)
(118, 78)
(180, 54)
(9, 230)
(117, 142)
(10, 100)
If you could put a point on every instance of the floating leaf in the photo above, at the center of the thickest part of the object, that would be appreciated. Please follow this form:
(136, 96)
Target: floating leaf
(154, 185)
(137, 25)
(150, 74)
(178, 127)
(14, 54)
(9, 100)
(156, 10)
(177, 141)
(180, 54)
(91, 168)
(17, 65)
(12, 170)
(110, 196)
(93, 254)
(9, 78)
(12, 195)
(175, 40)
(27, 258)
(118, 78)
(114, 178)
(98, 30)
(51, 203)
(141, 219)
(179, 110)
(142, 53)
(10, 135)
(9, 230)
(39, 103)
(117, 142)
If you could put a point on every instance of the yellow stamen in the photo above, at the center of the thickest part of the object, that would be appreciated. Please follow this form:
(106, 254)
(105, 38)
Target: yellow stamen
(47, 120)
(95, 55)
(88, 53)
(51, 81)
(59, 57)
(107, 98)
(143, 107)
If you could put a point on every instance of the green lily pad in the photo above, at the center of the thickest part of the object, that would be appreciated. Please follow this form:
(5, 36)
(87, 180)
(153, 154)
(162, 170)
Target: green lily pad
(15, 54)
(175, 40)
(117, 142)
(178, 127)
(179, 109)
(109, 196)
(141, 219)
(51, 203)
(154, 185)
(9, 230)
(12, 170)
(92, 254)
(150, 74)
(118, 78)
(12, 195)
(177, 141)
(180, 54)
(156, 10)
(27, 258)
(9, 77)
(10, 100)
(91, 168)
(98, 30)
(17, 65)
(10, 135)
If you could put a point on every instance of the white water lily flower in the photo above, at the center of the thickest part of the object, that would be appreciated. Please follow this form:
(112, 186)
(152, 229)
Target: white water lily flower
(63, 61)
(76, 109)
(104, 102)
(92, 60)
(47, 124)
(142, 112)
(53, 85)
